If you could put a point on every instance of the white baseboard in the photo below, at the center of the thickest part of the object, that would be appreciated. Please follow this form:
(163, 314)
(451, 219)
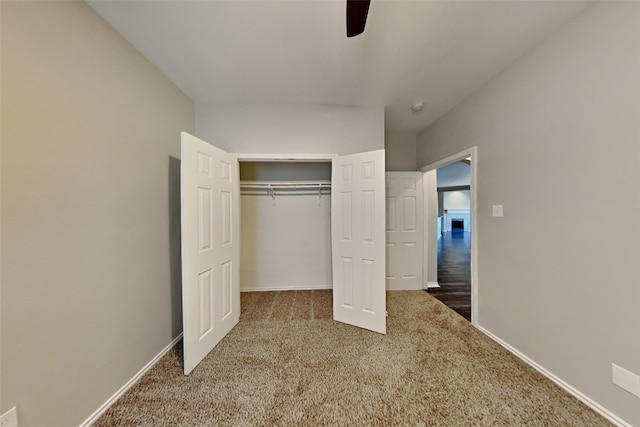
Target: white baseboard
(285, 288)
(118, 394)
(568, 388)
(433, 285)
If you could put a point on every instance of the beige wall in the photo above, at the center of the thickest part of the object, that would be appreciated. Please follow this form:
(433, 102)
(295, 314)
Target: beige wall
(400, 152)
(90, 211)
(558, 136)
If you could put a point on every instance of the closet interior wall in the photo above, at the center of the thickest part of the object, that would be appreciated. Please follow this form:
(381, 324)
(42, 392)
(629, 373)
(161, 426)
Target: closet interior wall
(285, 233)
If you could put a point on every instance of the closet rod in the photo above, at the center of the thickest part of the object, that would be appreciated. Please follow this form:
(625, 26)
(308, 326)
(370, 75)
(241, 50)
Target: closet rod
(297, 188)
(275, 193)
(285, 185)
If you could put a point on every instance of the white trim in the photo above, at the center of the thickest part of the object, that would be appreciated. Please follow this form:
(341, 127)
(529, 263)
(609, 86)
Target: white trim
(427, 210)
(453, 158)
(475, 284)
(118, 394)
(285, 288)
(271, 157)
(568, 388)
(433, 285)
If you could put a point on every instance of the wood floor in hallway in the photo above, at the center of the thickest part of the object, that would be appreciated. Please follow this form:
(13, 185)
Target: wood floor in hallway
(454, 272)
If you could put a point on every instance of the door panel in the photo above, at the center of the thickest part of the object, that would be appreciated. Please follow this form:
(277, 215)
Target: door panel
(404, 236)
(210, 247)
(358, 245)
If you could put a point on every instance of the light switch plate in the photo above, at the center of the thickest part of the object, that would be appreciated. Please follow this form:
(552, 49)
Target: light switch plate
(497, 211)
(626, 379)
(9, 418)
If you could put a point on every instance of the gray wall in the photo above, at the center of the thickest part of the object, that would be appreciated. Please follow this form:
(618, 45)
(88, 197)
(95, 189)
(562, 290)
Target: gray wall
(400, 152)
(558, 136)
(291, 129)
(90, 211)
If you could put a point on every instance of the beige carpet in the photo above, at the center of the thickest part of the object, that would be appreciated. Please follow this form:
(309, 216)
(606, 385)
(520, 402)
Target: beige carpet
(287, 363)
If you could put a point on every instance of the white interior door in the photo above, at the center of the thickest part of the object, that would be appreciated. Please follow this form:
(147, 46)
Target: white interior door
(358, 240)
(404, 213)
(210, 195)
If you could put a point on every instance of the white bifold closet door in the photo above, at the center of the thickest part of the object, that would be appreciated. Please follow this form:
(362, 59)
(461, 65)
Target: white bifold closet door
(358, 240)
(210, 194)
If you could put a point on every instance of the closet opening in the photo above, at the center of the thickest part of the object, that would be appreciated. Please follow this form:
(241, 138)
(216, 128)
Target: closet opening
(276, 228)
(285, 223)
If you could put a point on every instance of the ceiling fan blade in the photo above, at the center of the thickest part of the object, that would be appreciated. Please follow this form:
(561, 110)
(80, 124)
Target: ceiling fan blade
(357, 11)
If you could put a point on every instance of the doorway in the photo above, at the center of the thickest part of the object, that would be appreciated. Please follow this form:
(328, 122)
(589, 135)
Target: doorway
(450, 232)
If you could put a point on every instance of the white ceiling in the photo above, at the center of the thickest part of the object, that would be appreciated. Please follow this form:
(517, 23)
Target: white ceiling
(296, 51)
